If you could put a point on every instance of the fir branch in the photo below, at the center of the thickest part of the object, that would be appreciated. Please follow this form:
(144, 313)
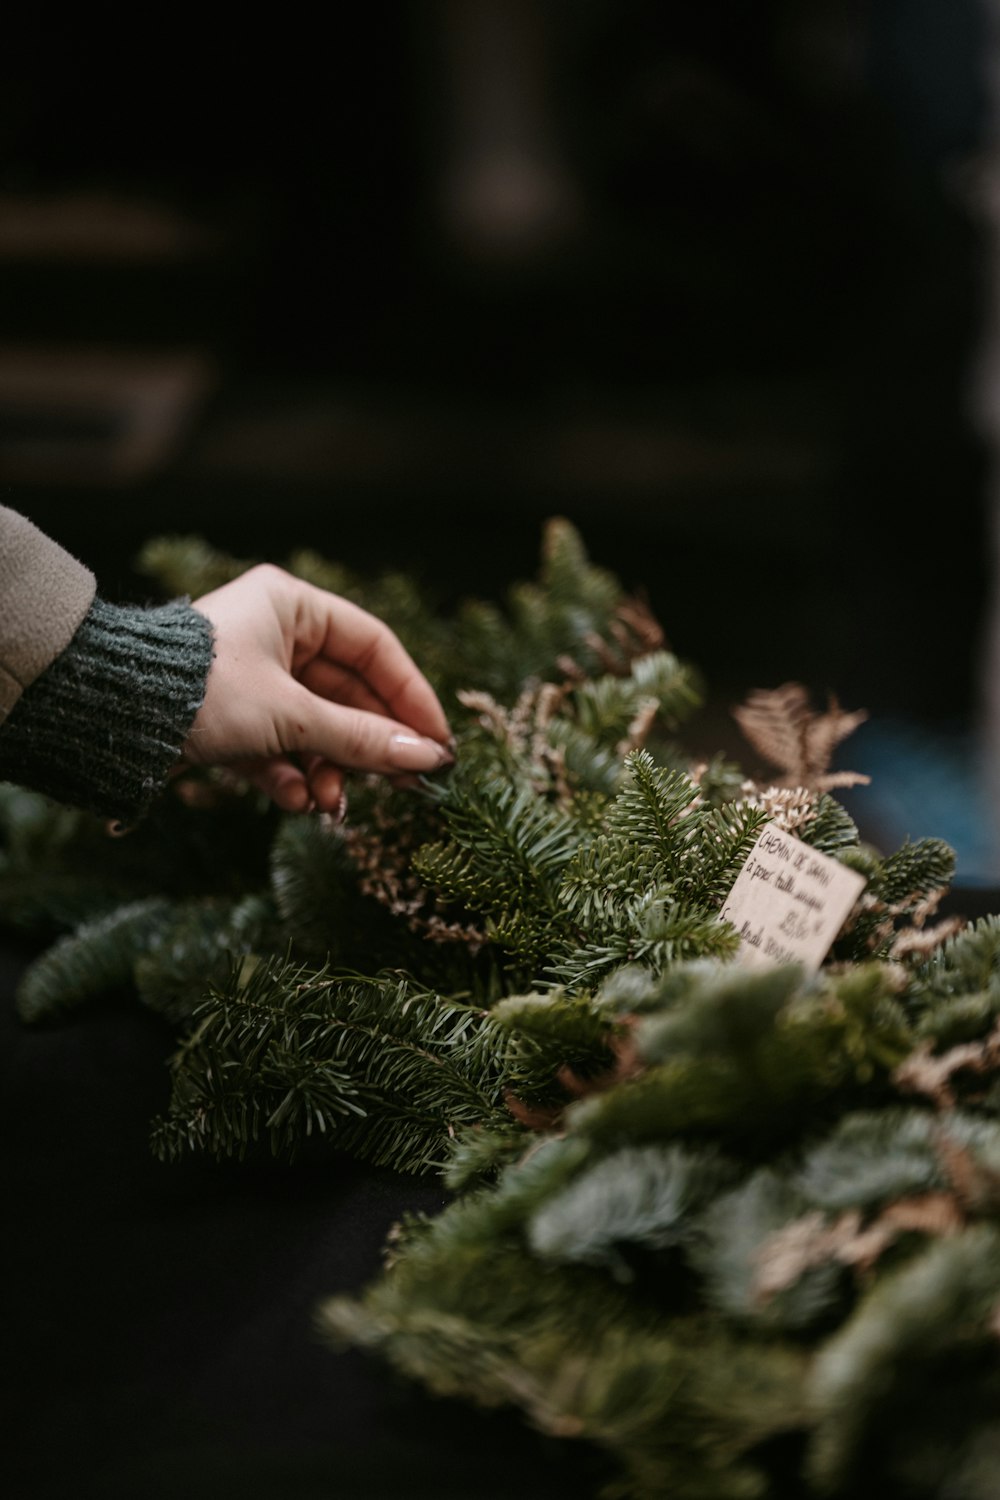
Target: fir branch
(969, 962)
(568, 576)
(651, 802)
(656, 933)
(897, 894)
(956, 994)
(575, 618)
(288, 1052)
(639, 1196)
(728, 1243)
(96, 959)
(552, 1040)
(506, 853)
(912, 872)
(717, 844)
(748, 1055)
(963, 1018)
(831, 828)
(875, 1157)
(649, 888)
(941, 1303)
(311, 879)
(588, 764)
(728, 1138)
(719, 779)
(195, 949)
(682, 1403)
(607, 708)
(478, 1153)
(607, 880)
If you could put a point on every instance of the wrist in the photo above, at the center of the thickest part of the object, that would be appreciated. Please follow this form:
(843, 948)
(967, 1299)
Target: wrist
(104, 724)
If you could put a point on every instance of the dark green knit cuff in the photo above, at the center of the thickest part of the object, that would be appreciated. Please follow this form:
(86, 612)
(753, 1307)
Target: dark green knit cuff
(101, 727)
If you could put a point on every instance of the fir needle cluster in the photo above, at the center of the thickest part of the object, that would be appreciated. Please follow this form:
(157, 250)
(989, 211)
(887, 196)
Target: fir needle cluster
(736, 1228)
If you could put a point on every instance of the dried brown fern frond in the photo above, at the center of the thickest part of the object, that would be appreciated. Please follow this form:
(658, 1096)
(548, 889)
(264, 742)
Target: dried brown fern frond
(924, 1072)
(811, 1241)
(858, 1242)
(788, 733)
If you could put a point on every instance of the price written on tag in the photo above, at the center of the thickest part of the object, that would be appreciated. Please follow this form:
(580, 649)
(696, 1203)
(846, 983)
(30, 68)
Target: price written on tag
(789, 901)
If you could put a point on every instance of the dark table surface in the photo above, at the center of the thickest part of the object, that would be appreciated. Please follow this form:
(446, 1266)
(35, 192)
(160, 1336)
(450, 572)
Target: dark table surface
(158, 1320)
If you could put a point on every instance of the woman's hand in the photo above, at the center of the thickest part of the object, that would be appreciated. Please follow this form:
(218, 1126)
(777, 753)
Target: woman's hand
(306, 685)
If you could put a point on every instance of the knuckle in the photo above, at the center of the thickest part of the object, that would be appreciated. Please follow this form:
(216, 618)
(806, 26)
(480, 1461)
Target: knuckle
(365, 740)
(269, 574)
(358, 741)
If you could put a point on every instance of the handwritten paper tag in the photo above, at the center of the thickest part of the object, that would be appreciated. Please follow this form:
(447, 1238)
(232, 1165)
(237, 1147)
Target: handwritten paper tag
(789, 901)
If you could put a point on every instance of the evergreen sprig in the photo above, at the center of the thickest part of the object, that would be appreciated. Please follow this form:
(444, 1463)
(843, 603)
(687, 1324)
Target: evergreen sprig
(284, 1053)
(725, 1224)
(98, 958)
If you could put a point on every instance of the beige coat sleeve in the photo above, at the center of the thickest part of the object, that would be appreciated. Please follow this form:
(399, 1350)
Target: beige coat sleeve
(44, 595)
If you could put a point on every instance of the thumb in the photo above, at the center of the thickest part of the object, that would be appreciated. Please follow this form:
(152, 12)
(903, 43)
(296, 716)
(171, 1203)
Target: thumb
(357, 739)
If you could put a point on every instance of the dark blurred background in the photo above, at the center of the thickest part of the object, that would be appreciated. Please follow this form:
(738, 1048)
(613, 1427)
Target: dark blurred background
(400, 281)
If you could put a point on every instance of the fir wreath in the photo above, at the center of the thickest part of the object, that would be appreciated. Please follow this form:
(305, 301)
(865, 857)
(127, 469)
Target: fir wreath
(728, 1224)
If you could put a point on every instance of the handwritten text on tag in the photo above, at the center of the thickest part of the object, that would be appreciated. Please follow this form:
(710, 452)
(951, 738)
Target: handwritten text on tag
(789, 901)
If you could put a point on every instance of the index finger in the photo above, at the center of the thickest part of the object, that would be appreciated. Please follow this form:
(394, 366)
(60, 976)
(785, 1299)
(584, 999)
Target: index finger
(353, 638)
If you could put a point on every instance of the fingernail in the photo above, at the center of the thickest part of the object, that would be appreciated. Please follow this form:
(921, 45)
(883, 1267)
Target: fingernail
(412, 752)
(335, 818)
(452, 744)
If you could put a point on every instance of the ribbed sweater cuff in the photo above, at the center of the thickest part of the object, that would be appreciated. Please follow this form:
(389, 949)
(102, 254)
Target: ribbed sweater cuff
(102, 726)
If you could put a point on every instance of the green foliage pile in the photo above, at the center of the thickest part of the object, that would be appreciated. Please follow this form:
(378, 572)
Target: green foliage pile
(739, 1228)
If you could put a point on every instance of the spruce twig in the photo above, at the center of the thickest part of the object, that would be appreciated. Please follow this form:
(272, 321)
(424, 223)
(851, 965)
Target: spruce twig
(704, 1216)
